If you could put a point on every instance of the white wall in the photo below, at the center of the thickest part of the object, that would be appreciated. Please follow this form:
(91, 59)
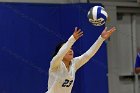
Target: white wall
(112, 47)
(138, 31)
(122, 49)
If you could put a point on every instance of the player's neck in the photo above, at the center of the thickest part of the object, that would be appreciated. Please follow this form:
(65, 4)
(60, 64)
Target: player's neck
(67, 63)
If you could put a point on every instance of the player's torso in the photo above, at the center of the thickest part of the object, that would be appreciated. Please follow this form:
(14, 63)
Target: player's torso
(61, 81)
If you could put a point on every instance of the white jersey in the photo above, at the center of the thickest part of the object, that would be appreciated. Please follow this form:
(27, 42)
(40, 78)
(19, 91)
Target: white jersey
(60, 79)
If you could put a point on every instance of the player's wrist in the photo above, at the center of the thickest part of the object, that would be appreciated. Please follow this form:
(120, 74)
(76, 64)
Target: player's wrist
(101, 38)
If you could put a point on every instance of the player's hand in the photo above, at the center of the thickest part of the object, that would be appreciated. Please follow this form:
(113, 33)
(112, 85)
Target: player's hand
(77, 33)
(107, 33)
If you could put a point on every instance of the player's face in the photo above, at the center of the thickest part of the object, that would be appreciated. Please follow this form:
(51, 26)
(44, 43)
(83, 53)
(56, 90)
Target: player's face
(69, 55)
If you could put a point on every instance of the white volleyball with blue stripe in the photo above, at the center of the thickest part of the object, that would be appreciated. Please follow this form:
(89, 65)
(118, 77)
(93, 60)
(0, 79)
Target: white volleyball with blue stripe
(97, 15)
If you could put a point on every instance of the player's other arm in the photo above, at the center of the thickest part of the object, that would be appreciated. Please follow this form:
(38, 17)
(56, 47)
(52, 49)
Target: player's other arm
(81, 60)
(57, 59)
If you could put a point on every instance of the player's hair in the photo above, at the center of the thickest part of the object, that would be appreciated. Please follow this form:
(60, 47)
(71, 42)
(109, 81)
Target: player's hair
(58, 47)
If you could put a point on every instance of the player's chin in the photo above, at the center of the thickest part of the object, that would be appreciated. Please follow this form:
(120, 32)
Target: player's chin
(70, 57)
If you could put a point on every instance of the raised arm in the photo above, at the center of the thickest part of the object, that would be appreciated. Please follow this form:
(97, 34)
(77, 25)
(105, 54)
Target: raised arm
(57, 59)
(81, 60)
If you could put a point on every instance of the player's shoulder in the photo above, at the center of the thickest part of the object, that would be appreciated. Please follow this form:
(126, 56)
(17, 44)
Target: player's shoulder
(76, 58)
(56, 69)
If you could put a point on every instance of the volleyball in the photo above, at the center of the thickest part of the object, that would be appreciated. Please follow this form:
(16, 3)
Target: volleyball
(97, 16)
